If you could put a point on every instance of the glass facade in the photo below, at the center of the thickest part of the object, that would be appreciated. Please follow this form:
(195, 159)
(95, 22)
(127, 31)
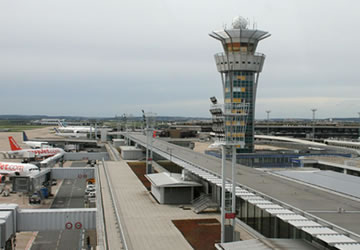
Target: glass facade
(269, 225)
(239, 86)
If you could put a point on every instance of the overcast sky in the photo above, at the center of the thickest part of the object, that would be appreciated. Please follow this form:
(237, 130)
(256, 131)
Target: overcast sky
(102, 58)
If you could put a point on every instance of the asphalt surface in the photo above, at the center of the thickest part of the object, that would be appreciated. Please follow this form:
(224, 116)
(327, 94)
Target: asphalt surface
(70, 195)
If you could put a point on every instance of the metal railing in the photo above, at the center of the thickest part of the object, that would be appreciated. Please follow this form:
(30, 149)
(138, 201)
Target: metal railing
(117, 214)
(241, 53)
(102, 233)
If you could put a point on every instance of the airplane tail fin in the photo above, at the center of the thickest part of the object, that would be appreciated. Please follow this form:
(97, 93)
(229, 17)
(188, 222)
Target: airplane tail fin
(25, 138)
(13, 144)
(59, 124)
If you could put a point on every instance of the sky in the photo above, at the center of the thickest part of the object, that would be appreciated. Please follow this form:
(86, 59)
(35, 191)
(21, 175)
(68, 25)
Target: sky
(106, 58)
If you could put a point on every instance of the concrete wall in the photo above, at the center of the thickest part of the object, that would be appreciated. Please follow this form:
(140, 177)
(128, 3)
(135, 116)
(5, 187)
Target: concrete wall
(131, 154)
(157, 193)
(118, 142)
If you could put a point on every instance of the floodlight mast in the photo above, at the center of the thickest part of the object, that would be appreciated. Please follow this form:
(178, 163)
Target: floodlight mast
(359, 126)
(149, 131)
(239, 67)
(313, 123)
(268, 124)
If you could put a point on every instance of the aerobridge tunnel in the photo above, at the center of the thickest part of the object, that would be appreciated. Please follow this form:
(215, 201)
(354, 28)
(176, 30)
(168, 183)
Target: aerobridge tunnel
(30, 184)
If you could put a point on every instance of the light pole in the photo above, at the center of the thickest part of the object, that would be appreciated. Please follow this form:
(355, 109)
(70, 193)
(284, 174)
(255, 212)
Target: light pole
(313, 124)
(268, 124)
(149, 118)
(359, 126)
(170, 152)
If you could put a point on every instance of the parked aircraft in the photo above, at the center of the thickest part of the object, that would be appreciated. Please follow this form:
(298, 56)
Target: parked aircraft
(79, 129)
(75, 129)
(14, 168)
(32, 153)
(70, 134)
(33, 144)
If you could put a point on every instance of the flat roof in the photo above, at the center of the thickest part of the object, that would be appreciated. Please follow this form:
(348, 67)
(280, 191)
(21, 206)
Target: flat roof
(339, 182)
(266, 244)
(318, 230)
(129, 148)
(165, 179)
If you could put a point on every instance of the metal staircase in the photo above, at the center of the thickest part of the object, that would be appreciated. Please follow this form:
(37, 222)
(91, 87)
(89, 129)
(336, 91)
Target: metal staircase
(203, 202)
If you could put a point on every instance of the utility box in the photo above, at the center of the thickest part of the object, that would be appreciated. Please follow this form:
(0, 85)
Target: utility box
(118, 142)
(131, 153)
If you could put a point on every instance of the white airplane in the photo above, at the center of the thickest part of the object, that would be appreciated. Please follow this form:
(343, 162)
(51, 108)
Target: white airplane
(33, 144)
(70, 134)
(75, 129)
(78, 129)
(14, 168)
(29, 153)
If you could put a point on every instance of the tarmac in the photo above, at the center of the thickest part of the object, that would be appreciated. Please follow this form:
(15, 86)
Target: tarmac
(25, 240)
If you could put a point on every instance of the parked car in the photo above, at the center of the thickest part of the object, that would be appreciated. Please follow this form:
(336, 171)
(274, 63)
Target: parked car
(89, 190)
(90, 195)
(35, 199)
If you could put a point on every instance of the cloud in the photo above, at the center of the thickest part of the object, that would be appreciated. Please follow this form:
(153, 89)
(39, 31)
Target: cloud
(107, 57)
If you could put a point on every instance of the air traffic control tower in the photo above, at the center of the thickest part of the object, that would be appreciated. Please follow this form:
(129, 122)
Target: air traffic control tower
(240, 66)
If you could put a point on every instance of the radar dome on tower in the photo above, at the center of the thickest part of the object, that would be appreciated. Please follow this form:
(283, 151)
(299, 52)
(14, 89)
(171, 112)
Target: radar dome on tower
(239, 23)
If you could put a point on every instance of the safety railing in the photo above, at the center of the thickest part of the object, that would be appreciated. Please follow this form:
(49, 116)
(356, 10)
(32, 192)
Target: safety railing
(116, 210)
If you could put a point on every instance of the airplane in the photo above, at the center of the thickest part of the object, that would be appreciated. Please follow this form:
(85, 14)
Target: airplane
(33, 144)
(37, 153)
(78, 129)
(75, 129)
(14, 168)
(70, 134)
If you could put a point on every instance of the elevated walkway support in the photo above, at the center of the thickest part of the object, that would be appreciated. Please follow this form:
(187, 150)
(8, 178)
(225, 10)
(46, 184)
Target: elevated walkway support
(73, 173)
(86, 156)
(55, 219)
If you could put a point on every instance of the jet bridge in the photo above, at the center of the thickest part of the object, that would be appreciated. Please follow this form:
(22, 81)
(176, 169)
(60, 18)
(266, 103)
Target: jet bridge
(32, 183)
